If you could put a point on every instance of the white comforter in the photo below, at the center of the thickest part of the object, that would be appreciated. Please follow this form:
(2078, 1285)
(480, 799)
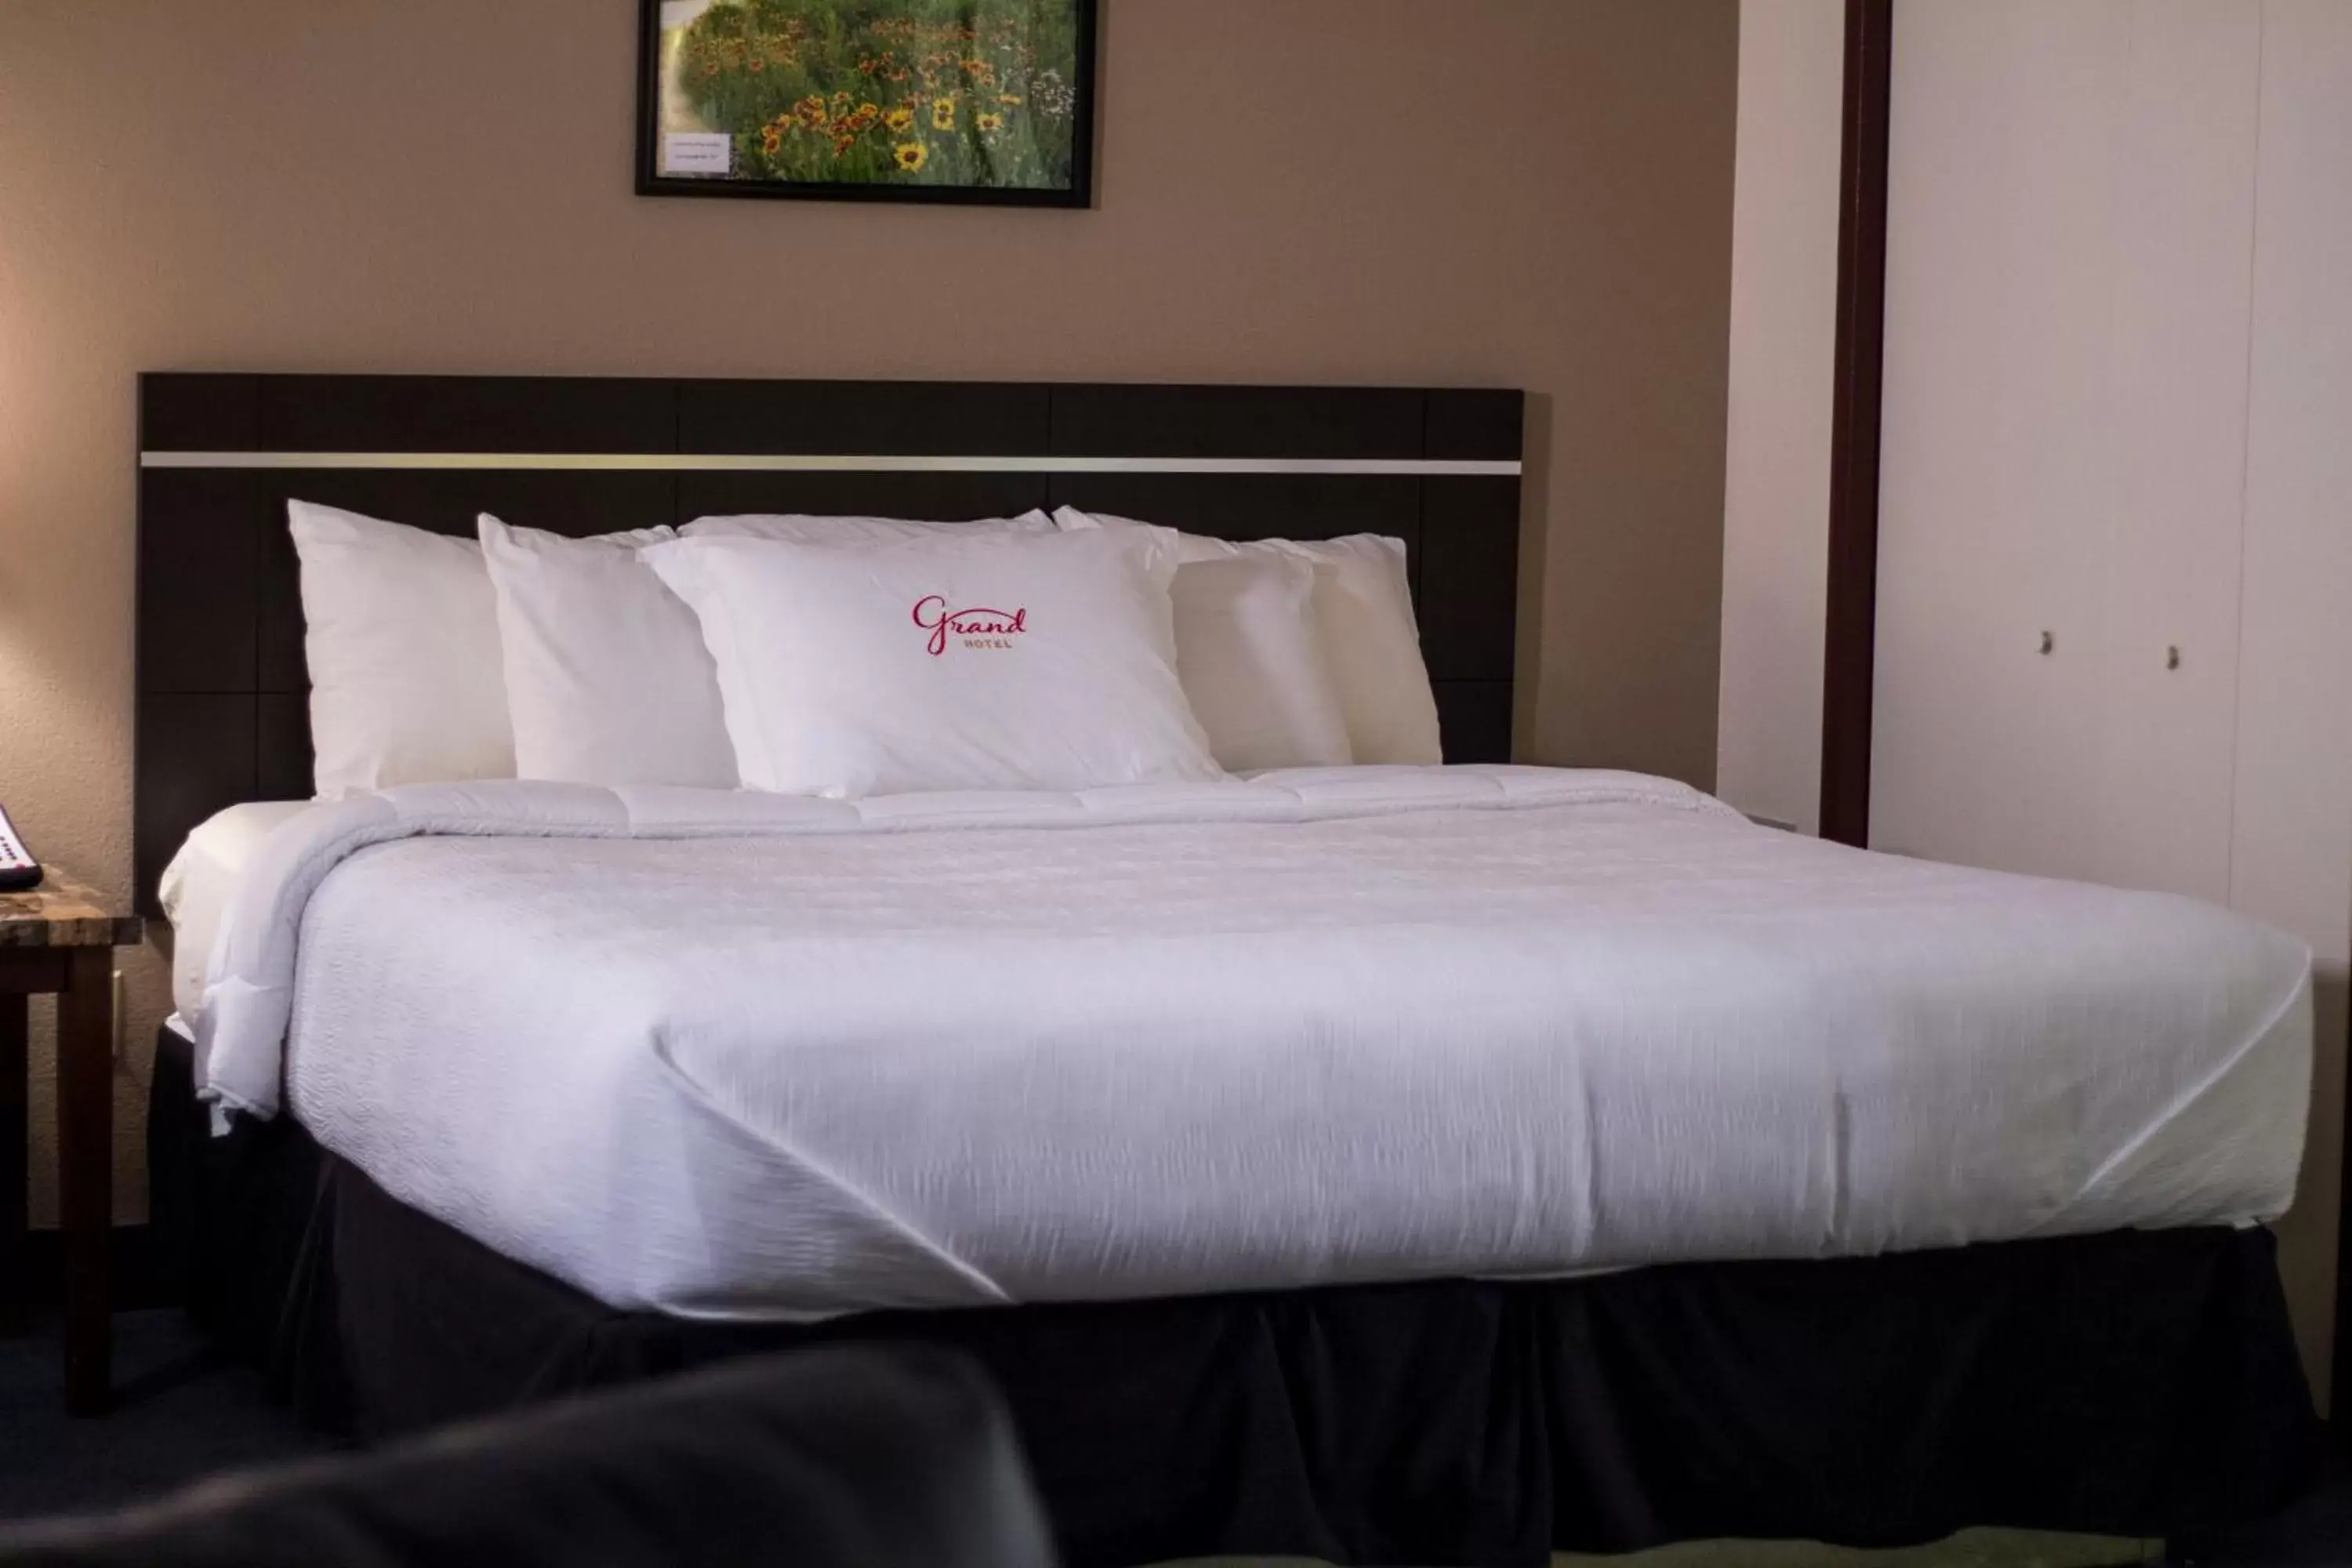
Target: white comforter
(738, 1054)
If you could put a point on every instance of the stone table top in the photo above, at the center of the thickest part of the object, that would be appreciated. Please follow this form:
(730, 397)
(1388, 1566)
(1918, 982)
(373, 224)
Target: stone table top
(62, 912)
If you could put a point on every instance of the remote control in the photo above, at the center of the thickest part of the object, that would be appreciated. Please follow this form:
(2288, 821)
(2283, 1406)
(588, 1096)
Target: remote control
(18, 869)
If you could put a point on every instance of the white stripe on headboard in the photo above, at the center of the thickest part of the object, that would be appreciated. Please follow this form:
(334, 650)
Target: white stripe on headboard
(808, 461)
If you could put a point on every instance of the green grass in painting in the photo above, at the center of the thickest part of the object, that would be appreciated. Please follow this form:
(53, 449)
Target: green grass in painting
(926, 92)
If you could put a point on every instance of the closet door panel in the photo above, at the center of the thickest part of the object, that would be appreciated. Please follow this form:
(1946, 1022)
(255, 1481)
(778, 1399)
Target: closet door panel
(2179, 319)
(2293, 860)
(1997, 465)
(2291, 857)
(2070, 225)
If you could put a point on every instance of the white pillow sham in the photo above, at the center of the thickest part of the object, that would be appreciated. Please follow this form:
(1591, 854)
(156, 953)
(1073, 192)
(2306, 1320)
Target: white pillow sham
(1252, 666)
(608, 679)
(402, 636)
(995, 660)
(800, 528)
(408, 666)
(1362, 611)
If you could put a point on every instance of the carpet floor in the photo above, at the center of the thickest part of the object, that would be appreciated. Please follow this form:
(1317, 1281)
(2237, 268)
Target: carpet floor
(182, 1413)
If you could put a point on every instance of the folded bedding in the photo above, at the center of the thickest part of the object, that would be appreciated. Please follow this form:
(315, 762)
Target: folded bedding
(733, 1055)
(196, 888)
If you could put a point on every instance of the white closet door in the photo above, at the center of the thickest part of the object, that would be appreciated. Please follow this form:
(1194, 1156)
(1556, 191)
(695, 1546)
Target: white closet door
(2293, 861)
(2182, 314)
(1999, 231)
(2069, 230)
(2292, 856)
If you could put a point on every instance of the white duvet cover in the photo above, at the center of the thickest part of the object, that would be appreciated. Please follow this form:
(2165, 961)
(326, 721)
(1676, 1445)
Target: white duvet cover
(746, 1056)
(196, 887)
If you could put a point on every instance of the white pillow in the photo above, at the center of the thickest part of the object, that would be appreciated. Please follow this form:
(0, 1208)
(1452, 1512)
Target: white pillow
(402, 636)
(1252, 666)
(607, 676)
(1362, 608)
(987, 660)
(800, 528)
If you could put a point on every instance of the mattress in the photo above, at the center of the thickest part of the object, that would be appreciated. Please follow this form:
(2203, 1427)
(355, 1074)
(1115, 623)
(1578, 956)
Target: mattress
(734, 1056)
(195, 887)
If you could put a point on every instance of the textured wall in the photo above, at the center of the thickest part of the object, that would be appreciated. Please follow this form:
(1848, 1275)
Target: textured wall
(1529, 193)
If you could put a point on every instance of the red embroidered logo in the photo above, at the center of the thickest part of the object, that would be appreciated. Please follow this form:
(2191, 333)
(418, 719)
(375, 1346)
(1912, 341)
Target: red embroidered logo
(977, 628)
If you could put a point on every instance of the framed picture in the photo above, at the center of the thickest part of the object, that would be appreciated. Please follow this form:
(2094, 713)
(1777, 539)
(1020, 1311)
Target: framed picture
(920, 100)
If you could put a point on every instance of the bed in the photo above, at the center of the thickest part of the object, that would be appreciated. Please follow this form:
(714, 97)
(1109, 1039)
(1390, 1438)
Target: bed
(1381, 1164)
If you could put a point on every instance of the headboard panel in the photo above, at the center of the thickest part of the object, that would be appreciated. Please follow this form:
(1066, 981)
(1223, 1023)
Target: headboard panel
(223, 706)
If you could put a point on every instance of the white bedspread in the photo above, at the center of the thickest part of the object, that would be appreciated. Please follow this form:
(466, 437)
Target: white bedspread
(196, 887)
(735, 1055)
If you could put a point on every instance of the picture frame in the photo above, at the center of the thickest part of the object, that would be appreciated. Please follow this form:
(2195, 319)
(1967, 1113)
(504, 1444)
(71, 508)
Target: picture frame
(947, 101)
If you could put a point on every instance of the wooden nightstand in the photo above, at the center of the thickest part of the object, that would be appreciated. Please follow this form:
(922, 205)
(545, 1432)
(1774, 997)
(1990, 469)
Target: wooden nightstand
(60, 939)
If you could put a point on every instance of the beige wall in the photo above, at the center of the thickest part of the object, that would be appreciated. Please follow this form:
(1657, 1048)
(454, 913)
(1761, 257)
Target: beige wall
(1524, 193)
(1776, 494)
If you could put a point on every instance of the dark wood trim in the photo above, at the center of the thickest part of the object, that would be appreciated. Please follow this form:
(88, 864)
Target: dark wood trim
(31, 972)
(1851, 629)
(138, 1283)
(15, 1153)
(2339, 1390)
(86, 1172)
(82, 976)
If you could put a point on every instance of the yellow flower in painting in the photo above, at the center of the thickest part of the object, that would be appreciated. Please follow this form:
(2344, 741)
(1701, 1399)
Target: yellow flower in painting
(912, 155)
(1013, 99)
(900, 120)
(868, 112)
(943, 114)
(772, 138)
(990, 121)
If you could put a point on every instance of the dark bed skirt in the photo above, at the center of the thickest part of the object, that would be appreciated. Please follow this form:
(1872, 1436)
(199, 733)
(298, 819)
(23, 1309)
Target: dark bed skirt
(2139, 1384)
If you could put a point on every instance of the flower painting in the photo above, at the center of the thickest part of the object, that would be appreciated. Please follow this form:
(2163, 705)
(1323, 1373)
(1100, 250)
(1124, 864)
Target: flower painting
(971, 100)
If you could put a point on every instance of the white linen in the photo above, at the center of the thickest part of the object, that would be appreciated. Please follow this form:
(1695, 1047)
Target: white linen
(402, 636)
(990, 660)
(748, 1056)
(1363, 609)
(1252, 667)
(196, 887)
(607, 679)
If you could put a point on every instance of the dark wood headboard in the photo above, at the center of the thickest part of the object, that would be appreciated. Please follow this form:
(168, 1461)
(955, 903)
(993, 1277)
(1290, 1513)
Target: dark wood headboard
(223, 708)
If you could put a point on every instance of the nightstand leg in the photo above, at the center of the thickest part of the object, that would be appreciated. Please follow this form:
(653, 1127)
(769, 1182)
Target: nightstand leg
(14, 1154)
(86, 1172)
